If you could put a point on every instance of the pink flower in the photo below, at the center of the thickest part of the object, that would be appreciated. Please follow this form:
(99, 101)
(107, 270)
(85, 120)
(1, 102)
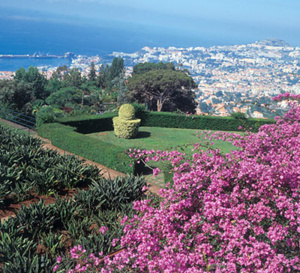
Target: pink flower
(58, 259)
(103, 229)
(156, 171)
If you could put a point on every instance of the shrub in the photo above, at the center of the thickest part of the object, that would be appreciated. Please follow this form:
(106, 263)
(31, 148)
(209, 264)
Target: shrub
(126, 112)
(45, 115)
(86, 124)
(125, 126)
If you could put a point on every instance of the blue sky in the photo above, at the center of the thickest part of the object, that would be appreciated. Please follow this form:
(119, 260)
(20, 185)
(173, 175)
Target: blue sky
(237, 20)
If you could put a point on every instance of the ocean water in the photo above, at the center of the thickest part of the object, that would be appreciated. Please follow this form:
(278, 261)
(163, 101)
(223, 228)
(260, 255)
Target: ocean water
(29, 37)
(15, 63)
(22, 35)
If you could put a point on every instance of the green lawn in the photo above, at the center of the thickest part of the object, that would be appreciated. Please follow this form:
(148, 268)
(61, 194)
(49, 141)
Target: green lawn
(158, 138)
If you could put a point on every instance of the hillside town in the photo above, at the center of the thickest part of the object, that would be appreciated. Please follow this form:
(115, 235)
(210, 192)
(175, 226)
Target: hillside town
(237, 78)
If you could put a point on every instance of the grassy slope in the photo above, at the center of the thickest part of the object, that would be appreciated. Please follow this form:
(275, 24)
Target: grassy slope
(20, 131)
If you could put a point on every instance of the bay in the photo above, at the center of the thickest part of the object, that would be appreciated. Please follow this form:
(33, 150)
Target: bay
(22, 36)
(12, 64)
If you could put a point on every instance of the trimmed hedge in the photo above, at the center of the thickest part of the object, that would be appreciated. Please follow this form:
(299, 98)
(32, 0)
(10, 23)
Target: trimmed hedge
(172, 120)
(67, 139)
(90, 124)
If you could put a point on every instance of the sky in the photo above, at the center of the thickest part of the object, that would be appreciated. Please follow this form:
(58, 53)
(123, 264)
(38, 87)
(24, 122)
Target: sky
(234, 21)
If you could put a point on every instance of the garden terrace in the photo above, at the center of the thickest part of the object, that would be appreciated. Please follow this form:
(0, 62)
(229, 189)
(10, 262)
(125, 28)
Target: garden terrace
(75, 134)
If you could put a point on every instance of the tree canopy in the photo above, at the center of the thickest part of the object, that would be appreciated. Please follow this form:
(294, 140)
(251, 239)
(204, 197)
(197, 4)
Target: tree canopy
(145, 67)
(35, 79)
(163, 88)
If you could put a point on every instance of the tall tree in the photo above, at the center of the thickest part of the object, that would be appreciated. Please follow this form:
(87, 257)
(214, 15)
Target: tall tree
(16, 94)
(116, 68)
(120, 85)
(73, 78)
(92, 74)
(36, 79)
(160, 87)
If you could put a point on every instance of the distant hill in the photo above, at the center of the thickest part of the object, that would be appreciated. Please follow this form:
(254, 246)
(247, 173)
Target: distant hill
(273, 42)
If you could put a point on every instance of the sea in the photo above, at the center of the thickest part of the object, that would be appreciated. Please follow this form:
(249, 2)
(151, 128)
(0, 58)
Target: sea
(22, 36)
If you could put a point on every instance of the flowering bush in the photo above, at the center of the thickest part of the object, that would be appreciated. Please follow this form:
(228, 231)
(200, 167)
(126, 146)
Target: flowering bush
(287, 96)
(238, 212)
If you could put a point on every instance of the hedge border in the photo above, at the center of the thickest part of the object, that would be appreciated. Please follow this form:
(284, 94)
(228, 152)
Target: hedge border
(172, 120)
(69, 133)
(102, 123)
(66, 138)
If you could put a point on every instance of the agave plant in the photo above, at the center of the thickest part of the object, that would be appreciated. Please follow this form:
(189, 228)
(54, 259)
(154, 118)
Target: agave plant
(36, 219)
(53, 244)
(120, 190)
(65, 211)
(30, 263)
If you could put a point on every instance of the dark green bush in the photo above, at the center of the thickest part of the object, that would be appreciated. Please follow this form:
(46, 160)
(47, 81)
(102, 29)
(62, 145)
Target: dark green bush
(29, 263)
(45, 115)
(36, 219)
(90, 123)
(171, 120)
(25, 165)
(139, 110)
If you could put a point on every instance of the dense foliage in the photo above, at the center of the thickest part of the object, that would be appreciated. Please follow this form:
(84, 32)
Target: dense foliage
(237, 212)
(162, 88)
(67, 89)
(30, 241)
(142, 68)
(90, 123)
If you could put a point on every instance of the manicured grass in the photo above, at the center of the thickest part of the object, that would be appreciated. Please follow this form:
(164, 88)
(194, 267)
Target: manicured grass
(158, 138)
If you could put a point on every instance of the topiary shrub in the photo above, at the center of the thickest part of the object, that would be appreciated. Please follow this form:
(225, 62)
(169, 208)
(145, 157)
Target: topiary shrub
(125, 125)
(127, 112)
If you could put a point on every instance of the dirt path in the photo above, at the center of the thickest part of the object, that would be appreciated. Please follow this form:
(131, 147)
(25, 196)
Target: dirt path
(105, 171)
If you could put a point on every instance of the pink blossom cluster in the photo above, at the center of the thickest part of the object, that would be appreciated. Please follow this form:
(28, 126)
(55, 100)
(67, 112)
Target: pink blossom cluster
(287, 96)
(190, 115)
(235, 212)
